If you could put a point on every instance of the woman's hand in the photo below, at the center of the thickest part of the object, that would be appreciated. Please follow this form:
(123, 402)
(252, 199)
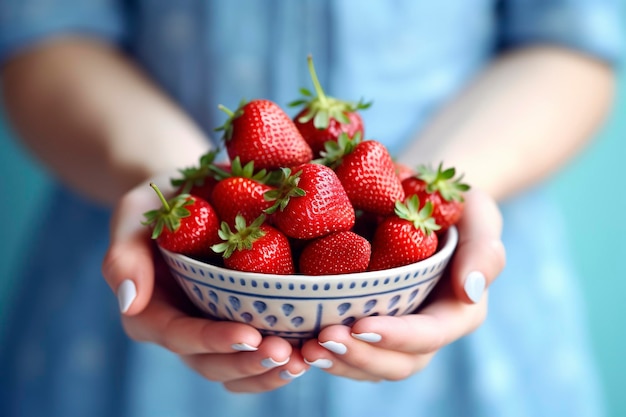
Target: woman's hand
(154, 309)
(394, 348)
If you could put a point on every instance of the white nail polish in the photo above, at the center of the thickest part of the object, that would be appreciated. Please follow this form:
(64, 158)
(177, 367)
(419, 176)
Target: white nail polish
(271, 363)
(289, 376)
(335, 347)
(126, 294)
(368, 337)
(243, 347)
(475, 285)
(320, 363)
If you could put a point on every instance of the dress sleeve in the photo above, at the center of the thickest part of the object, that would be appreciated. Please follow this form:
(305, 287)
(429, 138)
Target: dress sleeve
(24, 23)
(590, 26)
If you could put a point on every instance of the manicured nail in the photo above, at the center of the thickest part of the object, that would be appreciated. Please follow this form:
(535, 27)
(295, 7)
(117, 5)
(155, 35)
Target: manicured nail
(289, 376)
(126, 294)
(475, 285)
(271, 363)
(320, 363)
(367, 337)
(243, 347)
(335, 347)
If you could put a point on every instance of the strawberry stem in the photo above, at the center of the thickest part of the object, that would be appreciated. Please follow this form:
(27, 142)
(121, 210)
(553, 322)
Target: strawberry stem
(161, 197)
(316, 82)
(226, 110)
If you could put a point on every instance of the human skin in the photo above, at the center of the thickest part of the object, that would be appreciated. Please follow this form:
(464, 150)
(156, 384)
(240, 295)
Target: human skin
(75, 96)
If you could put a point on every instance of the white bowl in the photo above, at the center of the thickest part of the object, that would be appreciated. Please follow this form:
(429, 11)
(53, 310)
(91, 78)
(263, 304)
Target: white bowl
(297, 307)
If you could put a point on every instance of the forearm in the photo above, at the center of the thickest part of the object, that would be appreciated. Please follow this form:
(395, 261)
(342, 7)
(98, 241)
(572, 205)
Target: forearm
(93, 119)
(522, 119)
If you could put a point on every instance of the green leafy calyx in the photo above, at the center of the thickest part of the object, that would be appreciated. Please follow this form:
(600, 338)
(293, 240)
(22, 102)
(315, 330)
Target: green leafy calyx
(420, 218)
(227, 127)
(335, 151)
(285, 190)
(196, 176)
(247, 171)
(242, 238)
(443, 181)
(321, 108)
(170, 213)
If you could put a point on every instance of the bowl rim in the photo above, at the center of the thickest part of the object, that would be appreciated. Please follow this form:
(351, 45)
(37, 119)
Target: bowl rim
(450, 238)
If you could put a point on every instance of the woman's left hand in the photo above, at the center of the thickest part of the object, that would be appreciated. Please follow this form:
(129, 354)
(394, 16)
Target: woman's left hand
(394, 348)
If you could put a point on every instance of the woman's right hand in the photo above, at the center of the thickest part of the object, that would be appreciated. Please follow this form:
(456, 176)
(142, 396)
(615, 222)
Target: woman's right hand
(154, 309)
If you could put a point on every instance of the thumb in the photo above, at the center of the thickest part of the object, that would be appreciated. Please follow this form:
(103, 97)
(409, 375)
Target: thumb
(480, 255)
(128, 266)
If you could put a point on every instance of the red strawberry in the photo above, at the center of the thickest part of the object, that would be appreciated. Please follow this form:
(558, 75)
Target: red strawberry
(367, 173)
(403, 171)
(310, 203)
(337, 253)
(404, 238)
(255, 248)
(262, 132)
(324, 118)
(185, 224)
(199, 180)
(241, 193)
(442, 189)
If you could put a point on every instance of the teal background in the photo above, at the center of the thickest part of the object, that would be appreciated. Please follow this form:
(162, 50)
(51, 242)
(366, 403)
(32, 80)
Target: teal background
(589, 190)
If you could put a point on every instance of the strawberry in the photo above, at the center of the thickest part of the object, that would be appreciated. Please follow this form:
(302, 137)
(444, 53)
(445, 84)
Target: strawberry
(403, 171)
(405, 237)
(310, 203)
(258, 247)
(241, 193)
(324, 118)
(337, 253)
(262, 132)
(199, 180)
(367, 173)
(185, 224)
(442, 189)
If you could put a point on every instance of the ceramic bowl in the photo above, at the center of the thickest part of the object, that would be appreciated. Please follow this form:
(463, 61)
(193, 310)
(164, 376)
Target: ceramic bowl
(297, 307)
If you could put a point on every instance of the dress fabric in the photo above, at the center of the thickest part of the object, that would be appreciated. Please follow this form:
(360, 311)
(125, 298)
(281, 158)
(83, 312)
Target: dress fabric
(63, 352)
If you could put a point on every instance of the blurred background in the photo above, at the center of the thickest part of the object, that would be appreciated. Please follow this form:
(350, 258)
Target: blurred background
(589, 191)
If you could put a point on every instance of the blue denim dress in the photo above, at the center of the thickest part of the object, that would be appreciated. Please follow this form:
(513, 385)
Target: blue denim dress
(63, 353)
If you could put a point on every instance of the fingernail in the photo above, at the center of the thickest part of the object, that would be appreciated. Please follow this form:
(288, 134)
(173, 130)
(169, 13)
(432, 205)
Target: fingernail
(335, 347)
(289, 376)
(126, 294)
(368, 337)
(271, 363)
(475, 285)
(243, 347)
(320, 363)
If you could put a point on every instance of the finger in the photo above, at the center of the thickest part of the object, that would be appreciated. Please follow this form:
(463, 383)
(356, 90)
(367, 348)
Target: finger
(164, 324)
(273, 379)
(364, 361)
(273, 352)
(128, 264)
(440, 323)
(480, 255)
(317, 356)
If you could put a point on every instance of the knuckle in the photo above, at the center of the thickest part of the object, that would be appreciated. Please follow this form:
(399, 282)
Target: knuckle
(436, 342)
(171, 345)
(399, 373)
(360, 362)
(197, 364)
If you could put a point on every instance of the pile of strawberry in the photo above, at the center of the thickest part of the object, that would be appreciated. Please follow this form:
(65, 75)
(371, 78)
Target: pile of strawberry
(305, 195)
